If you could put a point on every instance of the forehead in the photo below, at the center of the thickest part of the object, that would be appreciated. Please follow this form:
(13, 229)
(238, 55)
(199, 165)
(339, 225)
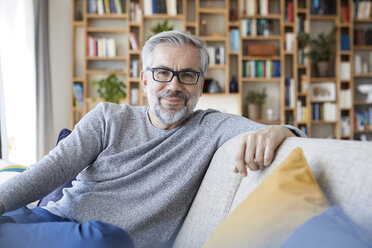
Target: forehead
(177, 57)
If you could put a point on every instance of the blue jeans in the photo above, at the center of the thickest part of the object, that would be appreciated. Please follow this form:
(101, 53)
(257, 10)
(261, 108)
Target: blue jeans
(39, 228)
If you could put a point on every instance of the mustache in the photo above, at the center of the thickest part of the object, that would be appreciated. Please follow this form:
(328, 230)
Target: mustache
(178, 94)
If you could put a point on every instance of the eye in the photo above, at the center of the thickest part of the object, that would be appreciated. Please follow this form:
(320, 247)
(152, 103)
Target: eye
(162, 72)
(188, 74)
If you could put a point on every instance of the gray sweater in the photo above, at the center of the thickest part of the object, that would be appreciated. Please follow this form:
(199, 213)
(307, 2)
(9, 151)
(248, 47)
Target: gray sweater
(129, 173)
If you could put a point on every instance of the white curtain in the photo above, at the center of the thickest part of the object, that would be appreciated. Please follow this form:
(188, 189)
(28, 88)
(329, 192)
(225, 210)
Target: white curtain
(3, 135)
(17, 49)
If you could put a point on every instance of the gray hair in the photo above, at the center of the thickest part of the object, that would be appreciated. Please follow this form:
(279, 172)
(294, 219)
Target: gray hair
(176, 38)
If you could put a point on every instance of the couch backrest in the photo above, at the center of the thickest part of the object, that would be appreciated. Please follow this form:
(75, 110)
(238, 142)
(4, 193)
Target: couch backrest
(343, 170)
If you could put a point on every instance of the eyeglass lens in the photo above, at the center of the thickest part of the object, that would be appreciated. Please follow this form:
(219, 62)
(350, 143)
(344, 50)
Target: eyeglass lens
(186, 77)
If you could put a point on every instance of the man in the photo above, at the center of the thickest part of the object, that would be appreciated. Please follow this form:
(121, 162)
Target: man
(137, 168)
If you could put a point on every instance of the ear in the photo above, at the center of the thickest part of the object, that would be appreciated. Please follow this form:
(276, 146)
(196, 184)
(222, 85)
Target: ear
(143, 80)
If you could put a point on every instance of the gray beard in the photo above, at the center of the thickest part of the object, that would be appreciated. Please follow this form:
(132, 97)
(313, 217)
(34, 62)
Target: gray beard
(169, 117)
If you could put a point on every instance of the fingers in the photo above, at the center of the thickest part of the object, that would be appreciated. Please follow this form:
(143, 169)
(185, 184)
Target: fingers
(240, 158)
(257, 149)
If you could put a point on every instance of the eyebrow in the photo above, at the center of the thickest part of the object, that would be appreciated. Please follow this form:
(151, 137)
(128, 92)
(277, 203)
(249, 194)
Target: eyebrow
(166, 67)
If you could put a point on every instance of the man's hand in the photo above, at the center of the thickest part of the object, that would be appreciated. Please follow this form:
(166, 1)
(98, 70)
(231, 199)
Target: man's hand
(257, 149)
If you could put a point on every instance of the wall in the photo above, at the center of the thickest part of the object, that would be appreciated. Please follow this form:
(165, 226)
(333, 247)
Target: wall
(60, 57)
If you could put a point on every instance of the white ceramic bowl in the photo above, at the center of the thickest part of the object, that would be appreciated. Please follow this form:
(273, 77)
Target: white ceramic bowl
(366, 89)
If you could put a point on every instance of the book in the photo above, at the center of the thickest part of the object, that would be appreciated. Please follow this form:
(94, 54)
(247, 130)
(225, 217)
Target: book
(78, 94)
(147, 7)
(118, 7)
(107, 6)
(100, 7)
(133, 41)
(345, 70)
(171, 7)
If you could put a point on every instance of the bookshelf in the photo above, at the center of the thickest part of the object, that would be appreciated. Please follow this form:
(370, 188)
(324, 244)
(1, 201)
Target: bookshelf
(229, 27)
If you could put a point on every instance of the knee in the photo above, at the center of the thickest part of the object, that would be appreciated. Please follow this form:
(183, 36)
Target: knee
(103, 235)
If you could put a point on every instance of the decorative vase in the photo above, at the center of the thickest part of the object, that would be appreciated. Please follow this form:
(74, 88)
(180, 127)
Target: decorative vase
(254, 111)
(323, 68)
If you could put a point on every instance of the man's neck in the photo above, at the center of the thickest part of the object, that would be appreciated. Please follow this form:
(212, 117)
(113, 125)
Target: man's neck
(156, 122)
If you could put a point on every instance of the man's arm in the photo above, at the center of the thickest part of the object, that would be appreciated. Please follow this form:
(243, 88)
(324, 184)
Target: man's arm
(257, 149)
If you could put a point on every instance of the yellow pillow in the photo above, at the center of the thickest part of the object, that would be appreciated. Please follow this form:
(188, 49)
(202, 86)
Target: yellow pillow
(287, 198)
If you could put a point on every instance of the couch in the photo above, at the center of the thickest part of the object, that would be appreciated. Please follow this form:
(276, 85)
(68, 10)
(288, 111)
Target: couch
(343, 170)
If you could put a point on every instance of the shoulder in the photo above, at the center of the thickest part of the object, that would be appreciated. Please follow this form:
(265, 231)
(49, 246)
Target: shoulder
(112, 110)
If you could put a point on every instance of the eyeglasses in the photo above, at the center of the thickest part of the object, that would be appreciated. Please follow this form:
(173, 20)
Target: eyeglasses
(165, 75)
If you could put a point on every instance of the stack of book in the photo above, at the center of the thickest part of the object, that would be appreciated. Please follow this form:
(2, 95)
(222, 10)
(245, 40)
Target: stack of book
(363, 9)
(135, 12)
(102, 7)
(216, 55)
(168, 7)
(101, 47)
(78, 95)
(290, 92)
(253, 7)
(363, 120)
(261, 68)
(234, 40)
(302, 112)
(326, 111)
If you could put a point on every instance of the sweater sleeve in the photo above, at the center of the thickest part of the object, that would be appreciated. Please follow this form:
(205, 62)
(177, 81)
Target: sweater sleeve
(64, 162)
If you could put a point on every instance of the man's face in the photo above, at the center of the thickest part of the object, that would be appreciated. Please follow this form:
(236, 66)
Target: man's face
(171, 103)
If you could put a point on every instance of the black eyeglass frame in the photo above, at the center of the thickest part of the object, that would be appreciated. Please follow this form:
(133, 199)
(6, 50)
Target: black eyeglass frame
(177, 73)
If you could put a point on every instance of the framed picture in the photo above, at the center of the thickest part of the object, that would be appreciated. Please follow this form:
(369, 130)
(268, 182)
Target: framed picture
(323, 91)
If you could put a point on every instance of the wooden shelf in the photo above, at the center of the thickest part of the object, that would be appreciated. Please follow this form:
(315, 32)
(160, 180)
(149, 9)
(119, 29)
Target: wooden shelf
(164, 16)
(119, 58)
(218, 23)
(107, 16)
(270, 16)
(78, 79)
(362, 103)
(261, 37)
(323, 122)
(214, 38)
(92, 72)
(362, 47)
(362, 131)
(364, 20)
(217, 67)
(363, 75)
(249, 80)
(261, 58)
(212, 11)
(326, 79)
(268, 122)
(107, 30)
(323, 17)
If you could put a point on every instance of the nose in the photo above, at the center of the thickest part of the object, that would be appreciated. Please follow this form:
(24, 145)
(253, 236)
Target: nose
(174, 85)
